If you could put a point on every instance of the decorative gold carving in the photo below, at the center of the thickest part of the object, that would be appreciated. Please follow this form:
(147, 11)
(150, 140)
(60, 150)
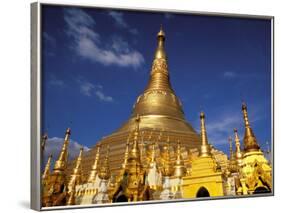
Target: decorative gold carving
(159, 66)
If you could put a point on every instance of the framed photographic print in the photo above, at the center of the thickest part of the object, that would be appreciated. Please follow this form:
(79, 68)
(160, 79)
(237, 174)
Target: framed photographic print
(135, 106)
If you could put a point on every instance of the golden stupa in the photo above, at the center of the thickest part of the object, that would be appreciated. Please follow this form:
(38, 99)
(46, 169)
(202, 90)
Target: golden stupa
(156, 155)
(161, 116)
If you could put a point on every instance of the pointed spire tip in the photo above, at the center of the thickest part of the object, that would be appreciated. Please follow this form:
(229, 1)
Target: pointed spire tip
(68, 131)
(244, 105)
(161, 33)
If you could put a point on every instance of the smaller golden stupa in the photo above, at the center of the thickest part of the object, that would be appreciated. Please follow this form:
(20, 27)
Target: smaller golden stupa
(256, 173)
(206, 178)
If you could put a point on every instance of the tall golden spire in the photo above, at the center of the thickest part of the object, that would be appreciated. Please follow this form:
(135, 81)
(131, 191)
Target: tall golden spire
(75, 179)
(179, 169)
(205, 149)
(159, 75)
(60, 164)
(94, 169)
(104, 172)
(46, 172)
(160, 51)
(76, 173)
(126, 156)
(250, 141)
(135, 149)
(239, 154)
(78, 162)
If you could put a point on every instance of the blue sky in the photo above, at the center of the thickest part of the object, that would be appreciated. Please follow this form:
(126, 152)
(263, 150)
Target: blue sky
(96, 62)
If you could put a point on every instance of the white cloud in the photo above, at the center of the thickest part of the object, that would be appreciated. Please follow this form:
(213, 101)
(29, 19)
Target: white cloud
(50, 39)
(89, 49)
(89, 89)
(220, 127)
(87, 42)
(57, 82)
(86, 88)
(229, 74)
(49, 44)
(78, 20)
(53, 146)
(120, 21)
(119, 45)
(118, 17)
(54, 81)
(103, 97)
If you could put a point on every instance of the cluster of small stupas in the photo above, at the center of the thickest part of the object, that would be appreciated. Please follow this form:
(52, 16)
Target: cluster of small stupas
(156, 155)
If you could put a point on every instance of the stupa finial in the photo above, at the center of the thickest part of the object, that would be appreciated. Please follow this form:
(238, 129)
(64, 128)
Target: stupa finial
(60, 164)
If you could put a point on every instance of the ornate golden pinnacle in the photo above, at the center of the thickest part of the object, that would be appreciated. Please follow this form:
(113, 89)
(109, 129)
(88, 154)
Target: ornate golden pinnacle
(67, 134)
(239, 154)
(245, 114)
(79, 159)
(237, 140)
(60, 164)
(126, 155)
(160, 52)
(46, 172)
(161, 33)
(94, 169)
(205, 149)
(75, 179)
(77, 169)
(179, 169)
(135, 149)
(178, 151)
(250, 141)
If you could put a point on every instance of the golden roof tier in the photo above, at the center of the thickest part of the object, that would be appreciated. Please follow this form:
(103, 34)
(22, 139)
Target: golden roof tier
(159, 112)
